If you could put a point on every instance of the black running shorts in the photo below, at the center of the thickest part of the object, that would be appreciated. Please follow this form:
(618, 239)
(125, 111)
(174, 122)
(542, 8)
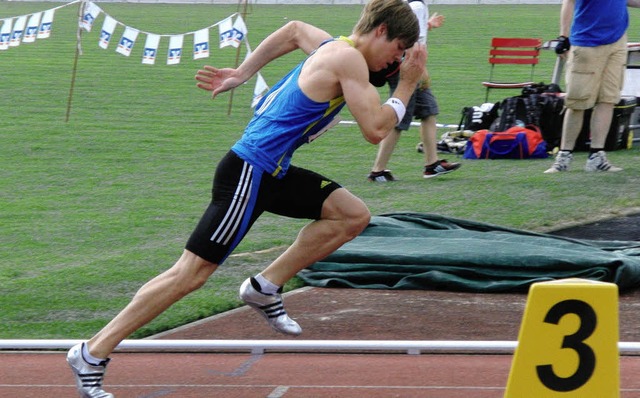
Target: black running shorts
(241, 193)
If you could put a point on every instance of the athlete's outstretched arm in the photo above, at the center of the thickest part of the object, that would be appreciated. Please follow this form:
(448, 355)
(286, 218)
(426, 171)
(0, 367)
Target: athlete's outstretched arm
(294, 35)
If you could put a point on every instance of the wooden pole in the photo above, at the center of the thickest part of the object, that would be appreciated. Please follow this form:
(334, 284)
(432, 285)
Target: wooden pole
(75, 60)
(243, 14)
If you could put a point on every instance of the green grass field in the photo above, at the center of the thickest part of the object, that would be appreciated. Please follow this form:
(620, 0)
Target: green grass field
(92, 208)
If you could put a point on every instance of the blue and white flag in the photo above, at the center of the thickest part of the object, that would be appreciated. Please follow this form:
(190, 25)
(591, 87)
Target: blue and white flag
(239, 32)
(18, 31)
(5, 34)
(46, 24)
(106, 33)
(226, 32)
(32, 28)
(89, 16)
(175, 49)
(260, 89)
(127, 41)
(150, 49)
(201, 44)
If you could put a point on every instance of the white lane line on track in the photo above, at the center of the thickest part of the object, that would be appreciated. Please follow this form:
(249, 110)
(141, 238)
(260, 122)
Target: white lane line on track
(278, 392)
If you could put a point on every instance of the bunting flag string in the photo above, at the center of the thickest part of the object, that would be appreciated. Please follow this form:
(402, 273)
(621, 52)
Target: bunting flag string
(232, 31)
(28, 28)
(39, 24)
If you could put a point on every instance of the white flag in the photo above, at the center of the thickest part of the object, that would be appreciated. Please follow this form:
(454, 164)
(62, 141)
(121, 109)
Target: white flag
(201, 44)
(239, 31)
(127, 41)
(32, 28)
(5, 34)
(259, 90)
(45, 25)
(226, 32)
(18, 30)
(175, 49)
(108, 27)
(150, 49)
(91, 12)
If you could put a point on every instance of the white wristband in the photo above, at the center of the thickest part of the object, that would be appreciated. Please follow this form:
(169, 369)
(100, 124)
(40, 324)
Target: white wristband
(397, 106)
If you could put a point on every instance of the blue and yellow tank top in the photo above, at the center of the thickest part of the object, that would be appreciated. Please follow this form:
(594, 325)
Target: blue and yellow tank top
(284, 120)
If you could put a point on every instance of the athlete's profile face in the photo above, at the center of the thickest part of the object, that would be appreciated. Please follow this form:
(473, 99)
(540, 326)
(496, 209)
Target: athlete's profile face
(389, 51)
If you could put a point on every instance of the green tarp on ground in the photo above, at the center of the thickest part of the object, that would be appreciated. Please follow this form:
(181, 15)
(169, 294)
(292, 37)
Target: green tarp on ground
(427, 251)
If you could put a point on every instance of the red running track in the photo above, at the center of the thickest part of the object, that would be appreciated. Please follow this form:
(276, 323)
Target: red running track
(275, 375)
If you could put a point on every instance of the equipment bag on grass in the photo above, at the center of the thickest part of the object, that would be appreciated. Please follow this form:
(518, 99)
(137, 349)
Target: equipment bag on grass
(544, 109)
(515, 143)
(481, 117)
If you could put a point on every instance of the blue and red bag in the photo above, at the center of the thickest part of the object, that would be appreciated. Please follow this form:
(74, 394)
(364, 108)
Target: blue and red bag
(515, 143)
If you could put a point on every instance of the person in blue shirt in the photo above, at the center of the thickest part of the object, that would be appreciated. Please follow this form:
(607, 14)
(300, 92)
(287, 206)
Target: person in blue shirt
(256, 175)
(593, 36)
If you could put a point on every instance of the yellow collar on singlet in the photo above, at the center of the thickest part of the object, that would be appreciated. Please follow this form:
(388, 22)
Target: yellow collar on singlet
(348, 40)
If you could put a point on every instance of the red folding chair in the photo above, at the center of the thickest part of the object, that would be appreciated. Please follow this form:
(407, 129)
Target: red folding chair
(512, 52)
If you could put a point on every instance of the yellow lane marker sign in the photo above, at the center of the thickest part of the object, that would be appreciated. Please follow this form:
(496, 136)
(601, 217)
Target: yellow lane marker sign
(568, 342)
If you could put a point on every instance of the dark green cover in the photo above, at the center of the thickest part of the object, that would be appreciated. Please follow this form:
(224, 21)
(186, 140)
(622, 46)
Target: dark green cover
(427, 251)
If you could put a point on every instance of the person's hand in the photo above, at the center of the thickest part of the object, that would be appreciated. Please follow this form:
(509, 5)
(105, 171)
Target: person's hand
(412, 68)
(435, 21)
(563, 46)
(217, 80)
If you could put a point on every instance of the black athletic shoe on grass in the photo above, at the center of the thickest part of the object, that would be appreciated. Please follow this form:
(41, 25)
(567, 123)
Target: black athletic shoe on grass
(381, 176)
(440, 167)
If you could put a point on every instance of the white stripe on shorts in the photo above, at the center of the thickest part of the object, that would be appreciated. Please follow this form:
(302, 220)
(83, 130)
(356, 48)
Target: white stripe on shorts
(233, 217)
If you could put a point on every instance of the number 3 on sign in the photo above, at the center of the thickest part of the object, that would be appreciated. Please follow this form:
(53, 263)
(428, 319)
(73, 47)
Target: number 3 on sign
(576, 342)
(568, 342)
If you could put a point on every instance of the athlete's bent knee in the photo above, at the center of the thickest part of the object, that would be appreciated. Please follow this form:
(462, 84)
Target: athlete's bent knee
(191, 272)
(356, 221)
(349, 210)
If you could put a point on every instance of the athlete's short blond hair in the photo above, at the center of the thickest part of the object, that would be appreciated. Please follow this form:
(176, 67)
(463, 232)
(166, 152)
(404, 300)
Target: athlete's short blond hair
(397, 15)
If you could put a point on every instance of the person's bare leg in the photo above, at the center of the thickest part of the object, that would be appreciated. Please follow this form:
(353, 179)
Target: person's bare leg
(600, 124)
(385, 150)
(428, 130)
(189, 273)
(344, 216)
(571, 126)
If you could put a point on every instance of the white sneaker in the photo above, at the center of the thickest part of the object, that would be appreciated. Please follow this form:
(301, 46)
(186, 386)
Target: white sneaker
(563, 159)
(270, 306)
(598, 162)
(88, 377)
